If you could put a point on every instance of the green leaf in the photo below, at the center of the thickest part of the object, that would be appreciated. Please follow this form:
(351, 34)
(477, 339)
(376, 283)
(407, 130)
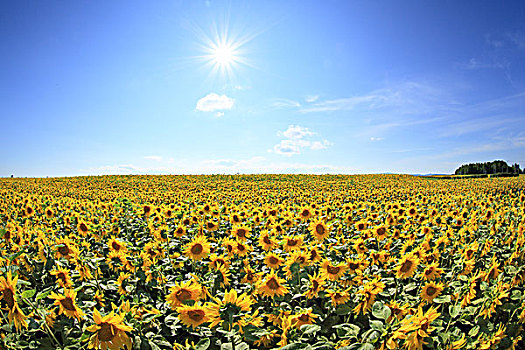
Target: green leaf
(203, 344)
(381, 311)
(343, 309)
(442, 299)
(376, 325)
(454, 310)
(14, 256)
(28, 293)
(2, 233)
(310, 328)
(473, 332)
(43, 294)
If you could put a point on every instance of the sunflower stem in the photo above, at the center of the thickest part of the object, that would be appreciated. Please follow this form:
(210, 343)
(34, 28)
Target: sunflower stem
(46, 326)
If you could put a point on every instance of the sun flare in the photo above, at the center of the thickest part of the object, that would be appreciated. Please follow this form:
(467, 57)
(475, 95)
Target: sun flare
(223, 54)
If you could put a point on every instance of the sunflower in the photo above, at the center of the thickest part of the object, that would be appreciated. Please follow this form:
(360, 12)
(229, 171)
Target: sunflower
(115, 245)
(49, 213)
(109, 332)
(338, 296)
(242, 249)
(8, 294)
(271, 286)
(361, 225)
(431, 272)
(273, 260)
(407, 266)
(62, 277)
(194, 315)
(147, 210)
(332, 272)
(232, 309)
(180, 231)
(317, 282)
(67, 304)
(313, 254)
(380, 232)
(241, 233)
(430, 291)
(266, 242)
(216, 260)
(292, 243)
(305, 213)
(66, 248)
(250, 276)
(302, 318)
(319, 230)
(197, 249)
(181, 292)
(82, 228)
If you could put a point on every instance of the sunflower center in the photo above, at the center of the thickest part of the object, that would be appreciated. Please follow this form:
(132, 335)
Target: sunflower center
(429, 271)
(83, 227)
(319, 229)
(105, 333)
(61, 276)
(64, 250)
(266, 240)
(183, 295)
(272, 284)
(196, 315)
(353, 266)
(9, 298)
(305, 212)
(241, 233)
(241, 248)
(67, 303)
(197, 249)
(381, 231)
(431, 291)
(301, 260)
(292, 242)
(315, 285)
(333, 270)
(361, 227)
(406, 266)
(273, 260)
(115, 246)
(304, 318)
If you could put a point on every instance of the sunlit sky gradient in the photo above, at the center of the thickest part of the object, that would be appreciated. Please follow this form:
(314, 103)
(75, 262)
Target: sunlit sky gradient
(128, 87)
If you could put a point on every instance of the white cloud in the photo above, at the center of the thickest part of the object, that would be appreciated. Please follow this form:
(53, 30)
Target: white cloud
(214, 102)
(294, 141)
(285, 103)
(311, 98)
(219, 114)
(317, 145)
(295, 132)
(376, 138)
(156, 158)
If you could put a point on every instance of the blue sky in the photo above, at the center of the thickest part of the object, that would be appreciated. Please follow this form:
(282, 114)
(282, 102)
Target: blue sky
(171, 87)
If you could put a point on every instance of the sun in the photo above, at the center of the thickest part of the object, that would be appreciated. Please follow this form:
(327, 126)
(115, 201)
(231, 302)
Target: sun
(224, 55)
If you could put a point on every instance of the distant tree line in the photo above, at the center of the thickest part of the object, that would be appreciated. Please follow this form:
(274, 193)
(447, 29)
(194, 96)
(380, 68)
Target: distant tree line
(495, 167)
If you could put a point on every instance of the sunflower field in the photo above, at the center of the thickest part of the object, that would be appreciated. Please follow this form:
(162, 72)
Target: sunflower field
(262, 261)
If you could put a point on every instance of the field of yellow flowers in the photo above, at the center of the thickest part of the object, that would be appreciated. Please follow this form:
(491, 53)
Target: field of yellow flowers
(262, 261)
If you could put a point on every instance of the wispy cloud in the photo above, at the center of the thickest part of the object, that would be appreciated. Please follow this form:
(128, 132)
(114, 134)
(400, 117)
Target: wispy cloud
(374, 139)
(311, 98)
(253, 165)
(214, 102)
(294, 141)
(283, 103)
(155, 158)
